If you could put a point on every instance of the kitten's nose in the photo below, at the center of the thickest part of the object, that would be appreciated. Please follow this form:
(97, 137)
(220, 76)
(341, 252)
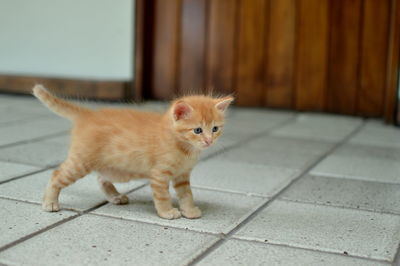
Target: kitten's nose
(208, 141)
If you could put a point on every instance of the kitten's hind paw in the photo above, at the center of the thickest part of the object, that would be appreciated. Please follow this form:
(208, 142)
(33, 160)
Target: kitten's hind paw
(119, 200)
(192, 213)
(173, 213)
(50, 206)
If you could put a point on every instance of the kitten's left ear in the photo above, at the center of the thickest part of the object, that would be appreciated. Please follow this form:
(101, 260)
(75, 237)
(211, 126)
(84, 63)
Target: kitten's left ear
(223, 103)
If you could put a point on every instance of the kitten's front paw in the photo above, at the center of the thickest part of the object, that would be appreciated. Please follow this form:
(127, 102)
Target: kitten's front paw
(50, 206)
(173, 213)
(191, 213)
(119, 200)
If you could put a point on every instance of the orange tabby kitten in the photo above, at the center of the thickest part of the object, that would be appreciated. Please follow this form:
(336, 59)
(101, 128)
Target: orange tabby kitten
(123, 144)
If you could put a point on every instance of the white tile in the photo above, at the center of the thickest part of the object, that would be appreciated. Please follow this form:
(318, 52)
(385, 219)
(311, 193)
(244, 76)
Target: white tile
(220, 211)
(380, 197)
(10, 170)
(244, 128)
(359, 233)
(278, 152)
(82, 195)
(375, 133)
(356, 167)
(32, 129)
(35, 153)
(95, 240)
(237, 252)
(241, 177)
(19, 219)
(222, 144)
(319, 127)
(9, 115)
(381, 153)
(61, 140)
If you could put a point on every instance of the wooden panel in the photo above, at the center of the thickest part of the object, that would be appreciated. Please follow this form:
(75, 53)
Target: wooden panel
(311, 61)
(91, 89)
(392, 73)
(192, 48)
(343, 55)
(166, 46)
(221, 45)
(280, 53)
(251, 52)
(373, 57)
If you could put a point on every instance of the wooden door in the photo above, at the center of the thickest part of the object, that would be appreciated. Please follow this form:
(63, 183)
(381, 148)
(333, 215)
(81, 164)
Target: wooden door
(338, 56)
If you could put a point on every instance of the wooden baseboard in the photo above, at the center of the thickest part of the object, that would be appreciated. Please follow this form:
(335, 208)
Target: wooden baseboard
(90, 89)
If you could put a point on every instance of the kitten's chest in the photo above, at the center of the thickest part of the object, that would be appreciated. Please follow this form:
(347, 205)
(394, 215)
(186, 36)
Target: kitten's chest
(183, 164)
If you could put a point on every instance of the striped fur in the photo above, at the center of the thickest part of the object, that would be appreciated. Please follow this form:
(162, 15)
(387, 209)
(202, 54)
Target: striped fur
(124, 144)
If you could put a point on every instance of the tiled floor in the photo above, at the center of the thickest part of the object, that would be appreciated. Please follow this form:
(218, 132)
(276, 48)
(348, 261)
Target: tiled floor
(280, 188)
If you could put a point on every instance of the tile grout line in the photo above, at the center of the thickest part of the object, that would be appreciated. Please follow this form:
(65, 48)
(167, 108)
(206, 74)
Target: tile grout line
(157, 224)
(47, 228)
(396, 260)
(281, 191)
(250, 138)
(307, 249)
(33, 140)
(339, 206)
(28, 174)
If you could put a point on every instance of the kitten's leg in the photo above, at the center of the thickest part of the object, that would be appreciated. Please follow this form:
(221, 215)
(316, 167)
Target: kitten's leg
(112, 194)
(162, 198)
(68, 172)
(185, 197)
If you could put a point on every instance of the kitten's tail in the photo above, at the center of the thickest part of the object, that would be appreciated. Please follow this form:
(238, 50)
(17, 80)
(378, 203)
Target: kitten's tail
(60, 107)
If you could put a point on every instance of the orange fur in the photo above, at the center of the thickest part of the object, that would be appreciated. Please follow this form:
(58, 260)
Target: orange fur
(125, 144)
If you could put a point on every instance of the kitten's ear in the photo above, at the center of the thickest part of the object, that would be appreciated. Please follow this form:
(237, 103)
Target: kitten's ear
(181, 110)
(223, 103)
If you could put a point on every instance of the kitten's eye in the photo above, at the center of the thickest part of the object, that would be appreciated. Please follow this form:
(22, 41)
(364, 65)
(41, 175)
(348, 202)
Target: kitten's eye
(198, 130)
(214, 129)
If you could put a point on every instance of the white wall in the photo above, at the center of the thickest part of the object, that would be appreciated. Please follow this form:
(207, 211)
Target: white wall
(84, 39)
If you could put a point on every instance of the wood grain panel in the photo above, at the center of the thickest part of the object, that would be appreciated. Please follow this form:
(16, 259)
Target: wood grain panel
(166, 46)
(393, 65)
(90, 89)
(280, 53)
(311, 54)
(345, 22)
(192, 48)
(251, 52)
(222, 40)
(374, 46)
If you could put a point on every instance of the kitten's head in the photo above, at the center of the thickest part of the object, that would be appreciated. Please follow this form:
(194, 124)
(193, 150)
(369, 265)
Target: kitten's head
(199, 120)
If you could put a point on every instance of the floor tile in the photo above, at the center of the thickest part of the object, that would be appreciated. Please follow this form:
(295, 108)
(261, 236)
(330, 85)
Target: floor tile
(237, 252)
(19, 219)
(319, 127)
(40, 153)
(32, 129)
(359, 233)
(376, 133)
(96, 240)
(241, 177)
(10, 115)
(10, 170)
(380, 197)
(222, 144)
(245, 128)
(356, 150)
(221, 211)
(357, 167)
(62, 140)
(82, 195)
(280, 152)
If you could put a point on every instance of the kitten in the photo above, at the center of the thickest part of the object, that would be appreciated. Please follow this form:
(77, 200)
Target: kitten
(124, 144)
